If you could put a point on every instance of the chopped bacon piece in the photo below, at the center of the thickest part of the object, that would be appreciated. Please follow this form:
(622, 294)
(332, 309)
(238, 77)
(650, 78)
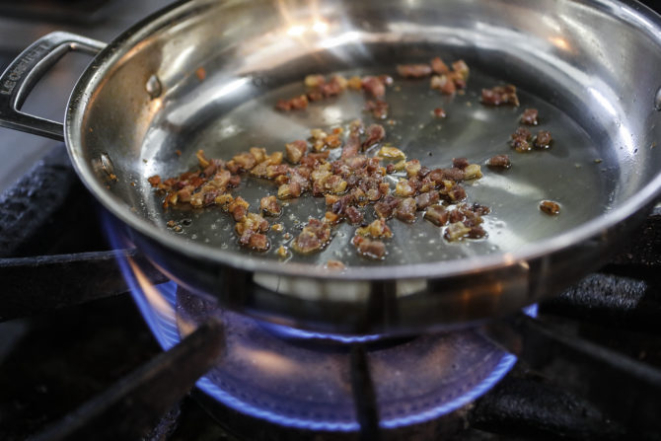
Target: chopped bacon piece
(444, 84)
(296, 103)
(386, 207)
(424, 200)
(439, 67)
(412, 168)
(529, 117)
(476, 232)
(351, 147)
(315, 235)
(500, 161)
(454, 174)
(377, 230)
(295, 150)
(461, 69)
(438, 215)
(378, 108)
(253, 222)
(456, 231)
(405, 211)
(238, 208)
(457, 193)
(549, 207)
(314, 80)
(521, 140)
(500, 95)
(460, 163)
(154, 180)
(414, 70)
(269, 206)
(290, 190)
(354, 215)
(372, 249)
(543, 140)
(374, 87)
(255, 241)
(375, 133)
(439, 113)
(480, 210)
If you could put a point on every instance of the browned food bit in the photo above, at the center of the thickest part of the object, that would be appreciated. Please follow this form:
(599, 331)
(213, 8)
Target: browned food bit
(460, 163)
(355, 83)
(439, 67)
(296, 103)
(282, 251)
(386, 207)
(453, 174)
(472, 171)
(354, 215)
(372, 249)
(378, 108)
(295, 150)
(500, 161)
(438, 215)
(201, 73)
(414, 70)
(444, 84)
(405, 211)
(270, 206)
(456, 231)
(238, 208)
(332, 218)
(255, 241)
(376, 230)
(405, 188)
(439, 113)
(476, 232)
(521, 140)
(549, 207)
(315, 235)
(461, 69)
(412, 168)
(543, 140)
(500, 95)
(480, 210)
(253, 222)
(154, 180)
(375, 133)
(374, 87)
(529, 117)
(291, 190)
(424, 200)
(351, 147)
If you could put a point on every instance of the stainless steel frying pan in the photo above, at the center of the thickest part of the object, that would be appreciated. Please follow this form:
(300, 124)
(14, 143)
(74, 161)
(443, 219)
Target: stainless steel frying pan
(590, 67)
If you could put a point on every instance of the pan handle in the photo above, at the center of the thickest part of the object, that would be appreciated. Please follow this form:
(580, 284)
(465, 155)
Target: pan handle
(25, 72)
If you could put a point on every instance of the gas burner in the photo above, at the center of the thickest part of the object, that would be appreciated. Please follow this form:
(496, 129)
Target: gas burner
(284, 376)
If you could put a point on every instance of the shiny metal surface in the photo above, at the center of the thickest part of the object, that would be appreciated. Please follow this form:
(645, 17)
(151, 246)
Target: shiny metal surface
(578, 62)
(23, 74)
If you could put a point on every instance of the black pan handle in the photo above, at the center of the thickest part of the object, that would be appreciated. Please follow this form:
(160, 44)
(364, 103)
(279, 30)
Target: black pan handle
(625, 389)
(25, 72)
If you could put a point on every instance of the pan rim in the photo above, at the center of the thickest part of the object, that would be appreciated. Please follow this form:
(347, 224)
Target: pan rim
(647, 20)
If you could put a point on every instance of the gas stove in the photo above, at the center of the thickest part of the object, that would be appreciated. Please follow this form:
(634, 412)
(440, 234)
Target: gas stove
(77, 360)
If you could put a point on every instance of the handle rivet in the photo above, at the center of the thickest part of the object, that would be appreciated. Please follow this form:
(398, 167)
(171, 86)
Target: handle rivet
(154, 87)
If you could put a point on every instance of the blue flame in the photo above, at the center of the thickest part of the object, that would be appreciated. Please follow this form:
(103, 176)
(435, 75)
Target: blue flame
(162, 321)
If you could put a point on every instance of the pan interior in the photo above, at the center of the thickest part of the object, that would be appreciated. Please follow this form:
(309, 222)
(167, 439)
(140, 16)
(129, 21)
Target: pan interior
(566, 173)
(598, 159)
